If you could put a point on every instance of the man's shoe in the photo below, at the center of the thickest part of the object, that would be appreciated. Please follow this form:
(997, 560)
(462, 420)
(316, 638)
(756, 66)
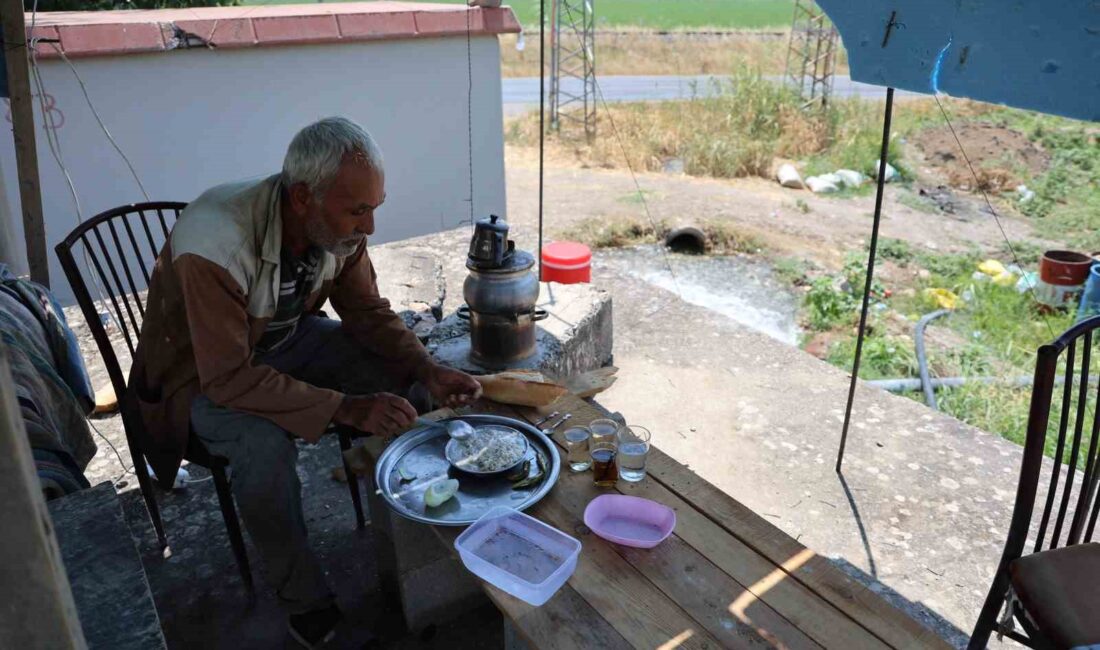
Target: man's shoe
(316, 628)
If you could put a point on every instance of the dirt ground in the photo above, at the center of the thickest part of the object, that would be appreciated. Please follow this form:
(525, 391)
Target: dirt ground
(1003, 157)
(821, 232)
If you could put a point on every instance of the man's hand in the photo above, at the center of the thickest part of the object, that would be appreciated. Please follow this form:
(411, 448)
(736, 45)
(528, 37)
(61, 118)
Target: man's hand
(382, 414)
(449, 386)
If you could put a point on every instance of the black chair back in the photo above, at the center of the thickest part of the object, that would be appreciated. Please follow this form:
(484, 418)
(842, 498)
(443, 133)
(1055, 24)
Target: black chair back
(119, 249)
(1070, 509)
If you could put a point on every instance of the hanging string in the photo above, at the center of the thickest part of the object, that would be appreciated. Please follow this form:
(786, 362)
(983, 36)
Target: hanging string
(637, 186)
(993, 211)
(470, 113)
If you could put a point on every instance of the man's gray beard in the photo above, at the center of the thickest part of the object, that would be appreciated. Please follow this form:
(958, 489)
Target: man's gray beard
(320, 235)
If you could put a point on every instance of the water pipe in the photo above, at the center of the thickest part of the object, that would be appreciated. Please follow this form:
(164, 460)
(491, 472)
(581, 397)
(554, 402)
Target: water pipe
(907, 384)
(922, 357)
(687, 239)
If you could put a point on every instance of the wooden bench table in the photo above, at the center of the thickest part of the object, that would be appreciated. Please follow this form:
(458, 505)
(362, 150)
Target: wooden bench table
(726, 578)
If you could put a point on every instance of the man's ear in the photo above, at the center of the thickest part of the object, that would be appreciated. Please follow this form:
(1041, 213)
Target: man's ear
(300, 197)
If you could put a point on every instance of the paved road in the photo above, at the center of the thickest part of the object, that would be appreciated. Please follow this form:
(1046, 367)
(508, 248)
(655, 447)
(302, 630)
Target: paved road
(522, 94)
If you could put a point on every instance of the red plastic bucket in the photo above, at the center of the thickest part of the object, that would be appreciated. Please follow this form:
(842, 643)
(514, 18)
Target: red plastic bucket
(1064, 268)
(566, 262)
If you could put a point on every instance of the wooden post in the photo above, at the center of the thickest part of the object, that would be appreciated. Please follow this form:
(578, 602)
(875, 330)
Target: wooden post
(38, 609)
(26, 155)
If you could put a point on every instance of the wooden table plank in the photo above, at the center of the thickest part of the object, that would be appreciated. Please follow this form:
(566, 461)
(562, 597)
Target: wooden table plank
(705, 592)
(812, 571)
(615, 594)
(686, 577)
(639, 610)
(791, 599)
(565, 622)
(764, 581)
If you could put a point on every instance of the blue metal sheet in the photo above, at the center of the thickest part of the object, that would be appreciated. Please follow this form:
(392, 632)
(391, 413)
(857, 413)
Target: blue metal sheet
(1042, 55)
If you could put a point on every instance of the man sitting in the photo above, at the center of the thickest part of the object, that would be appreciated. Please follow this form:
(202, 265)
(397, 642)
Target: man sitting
(233, 345)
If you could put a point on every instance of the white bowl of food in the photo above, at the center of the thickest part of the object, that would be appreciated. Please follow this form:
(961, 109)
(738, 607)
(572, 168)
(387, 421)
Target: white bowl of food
(492, 450)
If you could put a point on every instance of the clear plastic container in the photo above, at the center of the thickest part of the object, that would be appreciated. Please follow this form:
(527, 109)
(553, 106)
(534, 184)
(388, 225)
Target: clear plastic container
(518, 554)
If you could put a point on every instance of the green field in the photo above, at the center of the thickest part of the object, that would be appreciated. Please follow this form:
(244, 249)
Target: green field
(658, 14)
(677, 14)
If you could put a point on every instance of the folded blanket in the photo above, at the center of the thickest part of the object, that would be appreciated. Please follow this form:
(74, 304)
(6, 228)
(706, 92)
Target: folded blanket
(51, 381)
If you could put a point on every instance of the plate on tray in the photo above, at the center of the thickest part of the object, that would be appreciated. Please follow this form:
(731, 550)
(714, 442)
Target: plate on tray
(416, 459)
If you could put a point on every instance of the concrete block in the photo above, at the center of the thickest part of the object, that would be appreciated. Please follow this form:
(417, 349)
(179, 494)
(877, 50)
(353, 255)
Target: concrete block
(412, 280)
(576, 337)
(376, 25)
(231, 32)
(440, 23)
(414, 545)
(110, 39)
(438, 592)
(296, 29)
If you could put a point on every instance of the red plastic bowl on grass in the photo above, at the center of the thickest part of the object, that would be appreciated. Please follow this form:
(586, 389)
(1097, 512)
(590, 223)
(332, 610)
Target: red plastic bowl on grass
(630, 521)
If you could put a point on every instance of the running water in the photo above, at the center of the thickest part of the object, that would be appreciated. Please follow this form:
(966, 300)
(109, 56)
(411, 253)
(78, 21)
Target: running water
(737, 287)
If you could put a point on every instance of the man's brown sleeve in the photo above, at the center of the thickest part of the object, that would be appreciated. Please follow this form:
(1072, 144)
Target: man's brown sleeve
(217, 318)
(369, 318)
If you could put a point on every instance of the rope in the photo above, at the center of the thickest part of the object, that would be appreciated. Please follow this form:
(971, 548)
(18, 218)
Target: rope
(470, 113)
(992, 211)
(637, 186)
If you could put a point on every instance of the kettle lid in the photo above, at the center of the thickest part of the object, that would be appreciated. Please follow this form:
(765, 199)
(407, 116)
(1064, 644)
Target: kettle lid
(492, 224)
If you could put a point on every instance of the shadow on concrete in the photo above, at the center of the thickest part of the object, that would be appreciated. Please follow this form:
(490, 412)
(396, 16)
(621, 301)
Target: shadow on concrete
(916, 610)
(202, 602)
(859, 523)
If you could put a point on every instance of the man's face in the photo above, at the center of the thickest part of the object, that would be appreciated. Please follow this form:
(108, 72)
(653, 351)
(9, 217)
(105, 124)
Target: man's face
(345, 217)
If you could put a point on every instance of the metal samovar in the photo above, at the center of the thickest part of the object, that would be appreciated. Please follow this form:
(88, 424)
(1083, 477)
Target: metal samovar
(501, 292)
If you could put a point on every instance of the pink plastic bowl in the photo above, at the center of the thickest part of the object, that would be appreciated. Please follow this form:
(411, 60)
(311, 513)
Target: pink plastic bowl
(630, 521)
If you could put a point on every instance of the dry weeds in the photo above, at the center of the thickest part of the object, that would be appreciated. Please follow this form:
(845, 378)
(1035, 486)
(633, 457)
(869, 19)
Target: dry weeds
(648, 53)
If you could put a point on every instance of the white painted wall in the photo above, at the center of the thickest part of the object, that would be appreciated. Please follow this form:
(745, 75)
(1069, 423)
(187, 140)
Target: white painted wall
(191, 119)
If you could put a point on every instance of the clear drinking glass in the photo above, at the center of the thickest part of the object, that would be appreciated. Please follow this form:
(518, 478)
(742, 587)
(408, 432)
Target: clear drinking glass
(603, 430)
(633, 447)
(604, 470)
(576, 447)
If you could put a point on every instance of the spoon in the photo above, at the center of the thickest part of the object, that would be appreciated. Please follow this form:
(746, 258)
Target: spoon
(457, 429)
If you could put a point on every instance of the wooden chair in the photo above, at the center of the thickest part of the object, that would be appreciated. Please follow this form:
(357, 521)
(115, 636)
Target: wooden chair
(1053, 591)
(121, 246)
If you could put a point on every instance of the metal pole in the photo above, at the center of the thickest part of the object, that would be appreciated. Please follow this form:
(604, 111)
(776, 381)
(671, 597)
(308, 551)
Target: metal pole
(542, 118)
(26, 154)
(870, 273)
(555, 57)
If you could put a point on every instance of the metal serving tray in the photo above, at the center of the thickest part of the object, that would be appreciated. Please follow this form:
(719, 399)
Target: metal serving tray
(420, 451)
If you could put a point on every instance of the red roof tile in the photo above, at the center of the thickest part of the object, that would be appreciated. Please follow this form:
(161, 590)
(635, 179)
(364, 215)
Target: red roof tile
(99, 33)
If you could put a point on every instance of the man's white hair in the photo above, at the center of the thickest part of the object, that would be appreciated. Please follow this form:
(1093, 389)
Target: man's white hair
(315, 153)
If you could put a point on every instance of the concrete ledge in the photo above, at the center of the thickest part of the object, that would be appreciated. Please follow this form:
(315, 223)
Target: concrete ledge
(576, 337)
(100, 33)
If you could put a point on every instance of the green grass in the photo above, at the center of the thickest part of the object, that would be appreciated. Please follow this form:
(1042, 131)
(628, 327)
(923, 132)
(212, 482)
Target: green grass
(884, 356)
(677, 14)
(655, 14)
(998, 331)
